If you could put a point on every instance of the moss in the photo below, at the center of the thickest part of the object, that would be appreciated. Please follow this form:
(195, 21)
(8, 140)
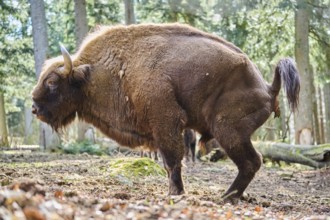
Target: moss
(5, 182)
(136, 167)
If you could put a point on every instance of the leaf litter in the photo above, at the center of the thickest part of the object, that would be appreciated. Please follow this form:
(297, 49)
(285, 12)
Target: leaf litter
(59, 186)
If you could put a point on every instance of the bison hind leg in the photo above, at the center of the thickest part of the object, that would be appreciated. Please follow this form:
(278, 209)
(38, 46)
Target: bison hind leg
(239, 149)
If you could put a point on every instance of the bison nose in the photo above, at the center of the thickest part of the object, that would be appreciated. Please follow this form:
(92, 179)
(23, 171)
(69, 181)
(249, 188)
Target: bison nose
(35, 109)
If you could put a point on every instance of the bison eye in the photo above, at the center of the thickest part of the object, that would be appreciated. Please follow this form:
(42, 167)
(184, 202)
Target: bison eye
(52, 83)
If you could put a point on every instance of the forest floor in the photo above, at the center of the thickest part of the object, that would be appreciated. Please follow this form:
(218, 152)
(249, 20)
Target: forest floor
(59, 186)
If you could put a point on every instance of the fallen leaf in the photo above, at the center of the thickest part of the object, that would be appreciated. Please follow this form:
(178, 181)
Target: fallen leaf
(106, 206)
(258, 209)
(33, 214)
(15, 187)
(123, 205)
(59, 194)
(229, 214)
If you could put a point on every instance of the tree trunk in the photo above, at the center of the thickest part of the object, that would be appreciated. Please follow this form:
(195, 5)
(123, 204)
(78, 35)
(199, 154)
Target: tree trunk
(40, 43)
(320, 114)
(28, 118)
(173, 13)
(81, 26)
(321, 107)
(304, 117)
(3, 125)
(81, 30)
(284, 119)
(309, 155)
(326, 93)
(129, 12)
(270, 129)
(316, 124)
(39, 31)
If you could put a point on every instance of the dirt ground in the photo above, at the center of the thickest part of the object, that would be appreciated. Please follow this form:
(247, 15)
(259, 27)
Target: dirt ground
(57, 186)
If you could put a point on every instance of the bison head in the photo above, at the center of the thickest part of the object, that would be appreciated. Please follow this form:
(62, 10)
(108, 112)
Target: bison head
(59, 92)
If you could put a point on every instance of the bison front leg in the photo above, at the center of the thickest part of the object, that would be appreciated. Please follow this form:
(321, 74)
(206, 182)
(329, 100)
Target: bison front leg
(171, 147)
(166, 120)
(172, 163)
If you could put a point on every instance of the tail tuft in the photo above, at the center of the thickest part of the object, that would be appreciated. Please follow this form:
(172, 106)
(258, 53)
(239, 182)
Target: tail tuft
(287, 72)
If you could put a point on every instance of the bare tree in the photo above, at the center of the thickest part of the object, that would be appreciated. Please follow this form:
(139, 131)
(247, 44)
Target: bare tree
(40, 42)
(326, 91)
(129, 12)
(28, 129)
(3, 124)
(81, 26)
(304, 118)
(81, 30)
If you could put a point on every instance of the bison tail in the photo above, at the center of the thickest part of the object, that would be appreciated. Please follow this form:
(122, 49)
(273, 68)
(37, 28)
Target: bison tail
(287, 72)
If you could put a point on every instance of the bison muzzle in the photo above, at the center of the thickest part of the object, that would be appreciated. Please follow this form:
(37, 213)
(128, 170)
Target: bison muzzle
(144, 84)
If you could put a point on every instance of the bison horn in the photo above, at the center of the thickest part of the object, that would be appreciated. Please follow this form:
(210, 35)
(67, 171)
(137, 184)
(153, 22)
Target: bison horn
(67, 61)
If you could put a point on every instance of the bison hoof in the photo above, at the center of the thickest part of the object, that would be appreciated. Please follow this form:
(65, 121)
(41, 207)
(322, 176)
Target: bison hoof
(175, 191)
(232, 198)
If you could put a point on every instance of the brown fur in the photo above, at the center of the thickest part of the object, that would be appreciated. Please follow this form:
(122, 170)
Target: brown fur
(205, 148)
(189, 137)
(143, 84)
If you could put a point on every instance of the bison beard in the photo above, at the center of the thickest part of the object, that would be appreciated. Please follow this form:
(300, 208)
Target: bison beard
(144, 84)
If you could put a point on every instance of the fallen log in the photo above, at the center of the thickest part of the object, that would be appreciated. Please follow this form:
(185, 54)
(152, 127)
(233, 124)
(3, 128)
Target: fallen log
(317, 156)
(20, 149)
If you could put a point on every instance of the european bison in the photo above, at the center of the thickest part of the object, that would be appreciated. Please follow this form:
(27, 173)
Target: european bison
(205, 148)
(144, 84)
(149, 154)
(189, 138)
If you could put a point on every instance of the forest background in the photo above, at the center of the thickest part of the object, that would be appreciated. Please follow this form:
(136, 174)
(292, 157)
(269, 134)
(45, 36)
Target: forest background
(30, 32)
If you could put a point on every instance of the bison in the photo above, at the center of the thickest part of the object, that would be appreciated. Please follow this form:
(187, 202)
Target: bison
(205, 148)
(189, 138)
(144, 84)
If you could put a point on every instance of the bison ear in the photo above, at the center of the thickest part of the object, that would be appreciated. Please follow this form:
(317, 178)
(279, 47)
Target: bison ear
(80, 74)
